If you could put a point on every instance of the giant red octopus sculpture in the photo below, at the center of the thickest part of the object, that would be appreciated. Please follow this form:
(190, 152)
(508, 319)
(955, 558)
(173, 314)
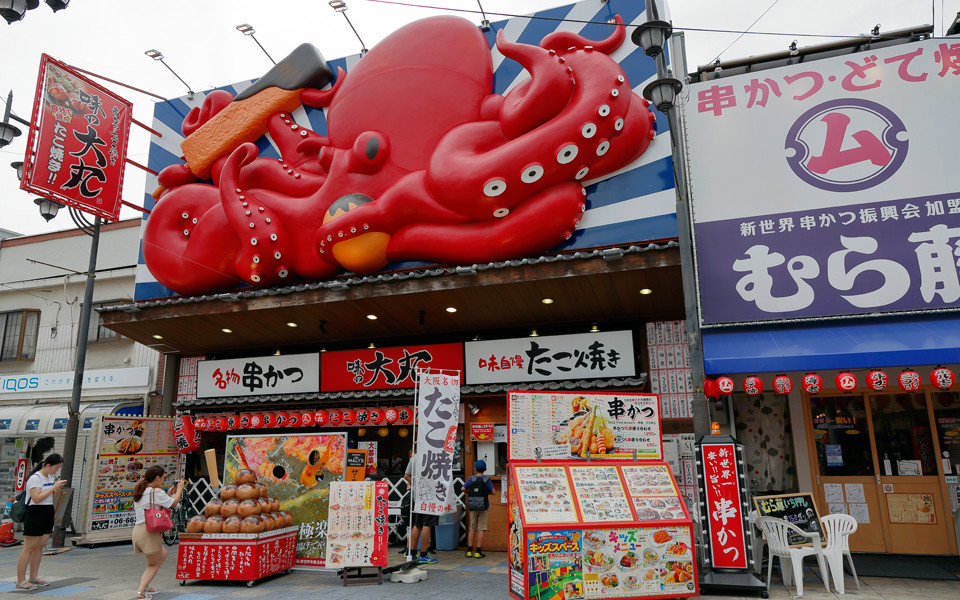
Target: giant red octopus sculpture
(421, 162)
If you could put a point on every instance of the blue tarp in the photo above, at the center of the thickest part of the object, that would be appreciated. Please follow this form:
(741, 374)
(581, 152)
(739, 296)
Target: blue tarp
(890, 342)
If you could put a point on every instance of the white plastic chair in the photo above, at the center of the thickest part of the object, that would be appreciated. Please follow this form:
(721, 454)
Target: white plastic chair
(759, 543)
(776, 531)
(838, 529)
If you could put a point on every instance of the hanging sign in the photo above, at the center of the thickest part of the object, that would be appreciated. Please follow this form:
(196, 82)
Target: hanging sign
(77, 147)
(547, 358)
(258, 376)
(723, 493)
(438, 412)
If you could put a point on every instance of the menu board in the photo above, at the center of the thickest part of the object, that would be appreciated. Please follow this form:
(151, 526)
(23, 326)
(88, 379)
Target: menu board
(911, 508)
(600, 494)
(545, 495)
(569, 425)
(126, 448)
(357, 524)
(797, 509)
(653, 493)
(637, 561)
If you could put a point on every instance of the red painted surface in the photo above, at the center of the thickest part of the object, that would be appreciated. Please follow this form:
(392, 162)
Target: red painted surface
(236, 557)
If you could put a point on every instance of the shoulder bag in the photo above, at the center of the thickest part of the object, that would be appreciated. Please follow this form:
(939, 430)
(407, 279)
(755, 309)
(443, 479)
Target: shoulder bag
(157, 517)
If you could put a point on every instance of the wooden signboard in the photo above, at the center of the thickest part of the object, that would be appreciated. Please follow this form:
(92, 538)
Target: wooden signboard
(356, 465)
(797, 509)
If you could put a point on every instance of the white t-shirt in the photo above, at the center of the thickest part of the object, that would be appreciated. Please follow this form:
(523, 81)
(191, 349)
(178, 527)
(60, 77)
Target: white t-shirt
(43, 482)
(151, 496)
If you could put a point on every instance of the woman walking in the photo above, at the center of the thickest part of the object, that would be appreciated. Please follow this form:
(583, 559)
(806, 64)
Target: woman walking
(146, 493)
(38, 520)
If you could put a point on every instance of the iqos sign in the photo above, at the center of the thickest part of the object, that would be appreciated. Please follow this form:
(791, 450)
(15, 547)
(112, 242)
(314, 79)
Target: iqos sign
(18, 384)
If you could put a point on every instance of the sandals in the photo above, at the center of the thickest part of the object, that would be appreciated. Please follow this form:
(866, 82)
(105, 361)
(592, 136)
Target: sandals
(39, 582)
(25, 586)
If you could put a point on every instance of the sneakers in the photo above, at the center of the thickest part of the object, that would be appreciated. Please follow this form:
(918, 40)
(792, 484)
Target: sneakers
(478, 554)
(427, 560)
(469, 554)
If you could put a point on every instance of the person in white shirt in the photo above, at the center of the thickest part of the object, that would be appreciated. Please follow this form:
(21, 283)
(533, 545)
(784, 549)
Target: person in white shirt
(38, 520)
(148, 492)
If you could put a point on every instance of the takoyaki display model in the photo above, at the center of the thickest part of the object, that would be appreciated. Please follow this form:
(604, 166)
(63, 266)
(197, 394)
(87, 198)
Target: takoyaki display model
(243, 535)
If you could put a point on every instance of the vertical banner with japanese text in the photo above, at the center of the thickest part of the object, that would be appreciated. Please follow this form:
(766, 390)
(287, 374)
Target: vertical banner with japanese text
(438, 412)
(724, 498)
(77, 145)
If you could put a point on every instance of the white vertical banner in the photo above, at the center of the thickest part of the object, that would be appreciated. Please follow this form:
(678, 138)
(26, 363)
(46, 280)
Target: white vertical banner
(438, 412)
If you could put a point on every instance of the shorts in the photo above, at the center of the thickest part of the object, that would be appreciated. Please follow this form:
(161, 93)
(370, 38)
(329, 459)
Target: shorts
(145, 542)
(38, 520)
(478, 520)
(423, 520)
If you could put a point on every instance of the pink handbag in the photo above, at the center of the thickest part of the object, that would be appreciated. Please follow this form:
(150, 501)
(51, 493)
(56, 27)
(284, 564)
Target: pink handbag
(157, 517)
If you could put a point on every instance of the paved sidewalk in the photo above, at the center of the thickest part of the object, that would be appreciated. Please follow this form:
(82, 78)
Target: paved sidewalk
(111, 572)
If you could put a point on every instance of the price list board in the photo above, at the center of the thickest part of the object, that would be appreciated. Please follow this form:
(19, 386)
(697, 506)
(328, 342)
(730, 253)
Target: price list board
(653, 492)
(357, 524)
(545, 495)
(600, 494)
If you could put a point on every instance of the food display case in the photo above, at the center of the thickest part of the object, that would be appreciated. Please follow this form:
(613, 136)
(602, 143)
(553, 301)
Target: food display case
(236, 556)
(597, 529)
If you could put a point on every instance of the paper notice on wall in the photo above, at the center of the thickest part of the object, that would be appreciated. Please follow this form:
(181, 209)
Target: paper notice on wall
(860, 512)
(833, 492)
(854, 492)
(837, 508)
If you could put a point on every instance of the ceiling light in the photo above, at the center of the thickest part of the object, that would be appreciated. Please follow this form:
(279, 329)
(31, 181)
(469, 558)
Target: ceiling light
(324, 349)
(225, 330)
(372, 317)
(372, 345)
(646, 291)
(451, 309)
(291, 324)
(157, 336)
(594, 329)
(547, 301)
(277, 353)
(534, 333)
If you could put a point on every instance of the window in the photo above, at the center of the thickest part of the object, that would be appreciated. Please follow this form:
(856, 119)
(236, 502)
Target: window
(99, 333)
(18, 334)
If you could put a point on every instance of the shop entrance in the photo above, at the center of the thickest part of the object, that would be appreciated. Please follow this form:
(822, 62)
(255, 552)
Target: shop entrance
(876, 457)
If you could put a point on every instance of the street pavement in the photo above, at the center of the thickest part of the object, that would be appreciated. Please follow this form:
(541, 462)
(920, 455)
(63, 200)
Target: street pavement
(111, 572)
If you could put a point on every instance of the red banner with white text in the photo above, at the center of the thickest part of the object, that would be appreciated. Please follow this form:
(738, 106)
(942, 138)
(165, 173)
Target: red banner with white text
(384, 368)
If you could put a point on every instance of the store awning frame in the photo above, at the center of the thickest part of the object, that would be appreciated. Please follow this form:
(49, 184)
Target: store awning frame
(890, 342)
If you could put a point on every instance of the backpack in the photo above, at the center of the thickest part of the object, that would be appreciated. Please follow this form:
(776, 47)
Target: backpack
(477, 493)
(19, 507)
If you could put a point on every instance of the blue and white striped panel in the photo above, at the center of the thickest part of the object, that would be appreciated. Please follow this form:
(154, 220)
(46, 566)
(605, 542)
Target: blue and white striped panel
(634, 204)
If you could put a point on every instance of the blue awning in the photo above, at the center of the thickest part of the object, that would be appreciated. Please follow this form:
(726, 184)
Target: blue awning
(890, 342)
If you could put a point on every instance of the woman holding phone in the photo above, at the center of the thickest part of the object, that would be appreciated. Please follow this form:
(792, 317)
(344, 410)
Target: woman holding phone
(146, 493)
(38, 521)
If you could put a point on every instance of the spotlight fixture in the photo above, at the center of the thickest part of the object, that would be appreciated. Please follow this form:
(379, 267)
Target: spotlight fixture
(291, 324)
(594, 329)
(793, 48)
(248, 30)
(534, 333)
(157, 336)
(277, 353)
(646, 291)
(451, 309)
(225, 330)
(547, 301)
(341, 7)
(372, 317)
(372, 345)
(157, 55)
(474, 409)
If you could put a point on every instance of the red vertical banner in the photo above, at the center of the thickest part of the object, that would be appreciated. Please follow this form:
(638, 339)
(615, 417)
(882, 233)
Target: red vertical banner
(724, 502)
(77, 145)
(379, 555)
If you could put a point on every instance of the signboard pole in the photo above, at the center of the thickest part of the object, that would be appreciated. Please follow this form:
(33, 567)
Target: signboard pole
(73, 422)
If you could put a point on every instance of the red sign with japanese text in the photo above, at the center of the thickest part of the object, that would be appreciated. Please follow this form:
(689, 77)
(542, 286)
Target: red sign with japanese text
(236, 557)
(384, 368)
(481, 432)
(721, 479)
(78, 141)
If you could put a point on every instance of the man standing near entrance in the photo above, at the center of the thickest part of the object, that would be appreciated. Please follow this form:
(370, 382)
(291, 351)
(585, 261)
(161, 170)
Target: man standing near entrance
(478, 488)
(422, 523)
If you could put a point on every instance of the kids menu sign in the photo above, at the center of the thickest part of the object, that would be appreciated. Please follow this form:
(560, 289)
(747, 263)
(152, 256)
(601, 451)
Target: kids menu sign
(573, 425)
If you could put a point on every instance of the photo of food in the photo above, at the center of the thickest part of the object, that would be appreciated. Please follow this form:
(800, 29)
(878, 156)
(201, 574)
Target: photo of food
(597, 561)
(675, 571)
(130, 445)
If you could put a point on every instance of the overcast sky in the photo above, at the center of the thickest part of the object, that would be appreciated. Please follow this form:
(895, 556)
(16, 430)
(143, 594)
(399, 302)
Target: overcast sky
(200, 42)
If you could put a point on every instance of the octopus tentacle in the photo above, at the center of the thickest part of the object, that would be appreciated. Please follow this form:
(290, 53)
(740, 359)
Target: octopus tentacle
(562, 40)
(541, 97)
(323, 98)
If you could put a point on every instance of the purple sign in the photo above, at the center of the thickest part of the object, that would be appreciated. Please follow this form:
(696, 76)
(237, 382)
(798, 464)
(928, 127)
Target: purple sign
(860, 259)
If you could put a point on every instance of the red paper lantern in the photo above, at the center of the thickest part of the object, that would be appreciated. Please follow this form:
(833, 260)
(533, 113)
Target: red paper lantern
(200, 424)
(845, 381)
(269, 420)
(307, 418)
(186, 438)
(942, 378)
(222, 424)
(405, 415)
(753, 385)
(782, 384)
(391, 415)
(812, 383)
(909, 381)
(282, 419)
(710, 389)
(877, 381)
(725, 385)
(233, 422)
(256, 421)
(376, 416)
(349, 417)
(293, 419)
(363, 416)
(336, 418)
(321, 418)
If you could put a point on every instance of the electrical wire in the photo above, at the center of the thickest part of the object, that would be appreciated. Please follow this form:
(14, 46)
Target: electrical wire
(757, 20)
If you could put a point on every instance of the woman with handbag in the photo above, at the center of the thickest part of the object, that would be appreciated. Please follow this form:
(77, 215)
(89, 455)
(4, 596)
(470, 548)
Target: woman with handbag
(38, 521)
(152, 507)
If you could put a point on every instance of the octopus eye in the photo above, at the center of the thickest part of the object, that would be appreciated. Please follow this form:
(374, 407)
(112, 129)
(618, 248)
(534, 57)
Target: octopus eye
(618, 125)
(532, 173)
(603, 147)
(567, 154)
(501, 212)
(494, 188)
(588, 130)
(604, 110)
(581, 173)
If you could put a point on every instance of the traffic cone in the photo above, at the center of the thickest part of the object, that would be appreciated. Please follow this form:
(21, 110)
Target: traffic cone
(6, 534)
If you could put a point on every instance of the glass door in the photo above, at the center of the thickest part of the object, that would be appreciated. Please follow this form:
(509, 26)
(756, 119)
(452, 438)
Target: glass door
(842, 454)
(913, 512)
